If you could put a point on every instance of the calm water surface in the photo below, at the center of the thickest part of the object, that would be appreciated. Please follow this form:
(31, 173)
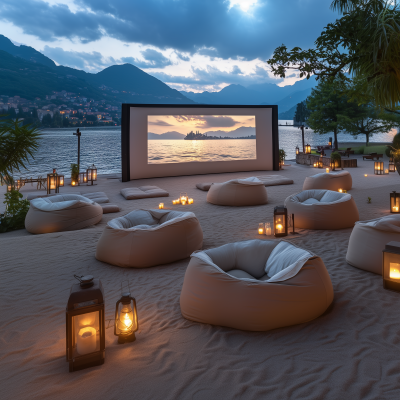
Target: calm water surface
(102, 146)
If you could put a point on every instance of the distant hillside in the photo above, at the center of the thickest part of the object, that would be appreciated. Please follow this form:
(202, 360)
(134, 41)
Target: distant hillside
(172, 135)
(289, 114)
(23, 74)
(292, 100)
(239, 132)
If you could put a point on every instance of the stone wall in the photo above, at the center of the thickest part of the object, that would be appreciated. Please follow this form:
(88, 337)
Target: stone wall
(310, 159)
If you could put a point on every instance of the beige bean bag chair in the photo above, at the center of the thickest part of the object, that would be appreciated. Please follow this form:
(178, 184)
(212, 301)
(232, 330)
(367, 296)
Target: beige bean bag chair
(238, 192)
(322, 209)
(330, 181)
(145, 238)
(368, 239)
(63, 212)
(143, 192)
(256, 285)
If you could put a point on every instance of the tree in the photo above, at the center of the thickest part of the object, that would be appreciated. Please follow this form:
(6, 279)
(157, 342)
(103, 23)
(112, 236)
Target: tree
(367, 119)
(17, 144)
(365, 42)
(302, 113)
(325, 104)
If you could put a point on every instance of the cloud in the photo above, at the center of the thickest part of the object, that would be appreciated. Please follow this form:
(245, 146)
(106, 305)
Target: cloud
(208, 121)
(208, 27)
(160, 123)
(152, 59)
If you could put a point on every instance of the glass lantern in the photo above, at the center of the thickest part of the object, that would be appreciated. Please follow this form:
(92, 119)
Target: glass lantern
(297, 150)
(330, 142)
(126, 319)
(60, 180)
(395, 202)
(52, 182)
(392, 166)
(91, 174)
(308, 149)
(85, 324)
(261, 228)
(280, 221)
(320, 163)
(379, 168)
(391, 266)
(183, 198)
(82, 178)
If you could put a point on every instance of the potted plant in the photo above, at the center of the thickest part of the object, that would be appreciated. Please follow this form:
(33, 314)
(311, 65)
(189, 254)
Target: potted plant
(337, 158)
(15, 213)
(282, 156)
(74, 174)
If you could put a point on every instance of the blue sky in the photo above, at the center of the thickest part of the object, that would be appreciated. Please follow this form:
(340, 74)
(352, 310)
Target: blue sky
(189, 44)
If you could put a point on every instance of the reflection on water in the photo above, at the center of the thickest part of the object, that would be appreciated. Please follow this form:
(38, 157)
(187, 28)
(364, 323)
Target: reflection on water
(102, 146)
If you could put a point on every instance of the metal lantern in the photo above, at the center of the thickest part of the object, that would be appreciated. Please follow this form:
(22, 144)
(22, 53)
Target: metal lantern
(330, 142)
(392, 166)
(391, 266)
(52, 182)
(320, 163)
(379, 168)
(394, 202)
(60, 180)
(85, 324)
(91, 174)
(280, 221)
(297, 150)
(308, 149)
(82, 178)
(126, 320)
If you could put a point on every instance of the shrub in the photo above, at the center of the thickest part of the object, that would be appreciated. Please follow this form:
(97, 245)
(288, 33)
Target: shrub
(74, 172)
(282, 155)
(16, 210)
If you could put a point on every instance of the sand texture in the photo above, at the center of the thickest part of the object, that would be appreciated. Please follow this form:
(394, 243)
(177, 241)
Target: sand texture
(350, 352)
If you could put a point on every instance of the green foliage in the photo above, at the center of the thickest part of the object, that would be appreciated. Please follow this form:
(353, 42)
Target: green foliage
(282, 155)
(16, 210)
(302, 113)
(369, 200)
(394, 149)
(365, 41)
(335, 156)
(17, 144)
(74, 172)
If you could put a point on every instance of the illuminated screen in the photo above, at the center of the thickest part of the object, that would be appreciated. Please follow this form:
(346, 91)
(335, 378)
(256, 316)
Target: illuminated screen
(200, 138)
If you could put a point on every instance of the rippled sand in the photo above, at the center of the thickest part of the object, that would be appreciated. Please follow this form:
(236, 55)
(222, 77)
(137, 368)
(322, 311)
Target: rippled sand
(350, 352)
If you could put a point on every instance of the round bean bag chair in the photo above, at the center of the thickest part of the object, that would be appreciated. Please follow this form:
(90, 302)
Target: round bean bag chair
(145, 238)
(368, 239)
(322, 209)
(256, 285)
(66, 212)
(238, 192)
(330, 181)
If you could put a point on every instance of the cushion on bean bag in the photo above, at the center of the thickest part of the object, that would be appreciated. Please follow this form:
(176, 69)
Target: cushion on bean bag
(109, 208)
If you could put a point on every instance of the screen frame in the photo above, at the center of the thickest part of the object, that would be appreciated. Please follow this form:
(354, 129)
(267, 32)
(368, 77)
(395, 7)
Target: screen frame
(202, 167)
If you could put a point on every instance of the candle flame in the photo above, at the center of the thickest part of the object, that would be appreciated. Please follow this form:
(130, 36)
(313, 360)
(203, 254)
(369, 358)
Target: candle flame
(394, 271)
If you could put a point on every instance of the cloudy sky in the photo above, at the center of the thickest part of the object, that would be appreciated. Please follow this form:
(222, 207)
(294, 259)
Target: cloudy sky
(202, 123)
(189, 44)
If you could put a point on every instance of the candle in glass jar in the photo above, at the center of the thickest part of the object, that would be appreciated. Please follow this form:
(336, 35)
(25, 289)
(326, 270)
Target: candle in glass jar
(268, 229)
(183, 201)
(327, 170)
(386, 171)
(260, 228)
(161, 206)
(86, 342)
(190, 201)
(340, 190)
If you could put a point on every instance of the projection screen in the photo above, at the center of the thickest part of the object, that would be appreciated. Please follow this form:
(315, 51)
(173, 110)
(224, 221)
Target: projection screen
(174, 140)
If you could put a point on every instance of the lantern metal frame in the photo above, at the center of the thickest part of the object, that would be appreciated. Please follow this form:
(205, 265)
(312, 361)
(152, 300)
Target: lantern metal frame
(391, 253)
(129, 335)
(82, 178)
(379, 167)
(85, 297)
(392, 165)
(297, 150)
(53, 183)
(330, 142)
(307, 149)
(395, 202)
(91, 175)
(281, 211)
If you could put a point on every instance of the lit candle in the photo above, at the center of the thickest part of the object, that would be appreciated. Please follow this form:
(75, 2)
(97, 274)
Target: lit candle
(365, 174)
(386, 171)
(315, 164)
(260, 228)
(161, 205)
(327, 170)
(340, 190)
(86, 342)
(190, 201)
(395, 209)
(394, 271)
(73, 183)
(279, 228)
(268, 229)
(183, 201)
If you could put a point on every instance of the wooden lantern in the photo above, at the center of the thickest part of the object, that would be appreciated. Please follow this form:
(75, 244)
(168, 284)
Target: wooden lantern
(391, 266)
(91, 174)
(308, 149)
(85, 324)
(52, 182)
(395, 202)
(280, 221)
(126, 319)
(379, 168)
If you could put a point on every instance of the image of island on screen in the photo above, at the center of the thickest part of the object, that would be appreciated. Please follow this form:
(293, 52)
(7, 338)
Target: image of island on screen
(200, 138)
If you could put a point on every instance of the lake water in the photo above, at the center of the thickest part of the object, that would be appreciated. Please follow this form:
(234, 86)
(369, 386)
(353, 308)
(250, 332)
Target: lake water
(102, 146)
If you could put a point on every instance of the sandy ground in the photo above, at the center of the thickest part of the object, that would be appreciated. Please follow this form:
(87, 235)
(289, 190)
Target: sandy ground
(350, 352)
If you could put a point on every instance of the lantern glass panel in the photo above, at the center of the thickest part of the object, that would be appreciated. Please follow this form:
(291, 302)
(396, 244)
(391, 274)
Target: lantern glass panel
(395, 202)
(127, 319)
(280, 221)
(86, 331)
(379, 168)
(392, 167)
(391, 266)
(60, 180)
(297, 150)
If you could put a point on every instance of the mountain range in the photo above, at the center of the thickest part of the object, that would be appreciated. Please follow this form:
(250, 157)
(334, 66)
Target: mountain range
(28, 73)
(235, 133)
